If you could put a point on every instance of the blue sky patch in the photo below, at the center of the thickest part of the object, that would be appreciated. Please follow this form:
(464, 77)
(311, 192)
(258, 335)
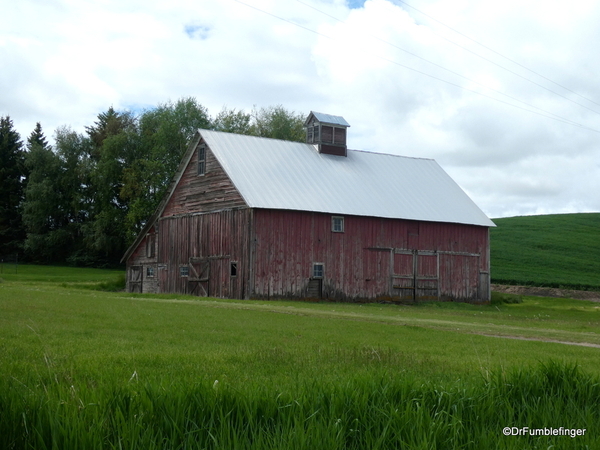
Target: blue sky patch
(197, 31)
(355, 4)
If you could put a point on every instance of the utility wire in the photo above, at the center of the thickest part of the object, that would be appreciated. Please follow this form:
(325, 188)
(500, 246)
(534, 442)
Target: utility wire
(543, 114)
(438, 65)
(499, 54)
(508, 59)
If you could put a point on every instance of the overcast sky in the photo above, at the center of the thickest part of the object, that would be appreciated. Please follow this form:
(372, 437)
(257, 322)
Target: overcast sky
(504, 95)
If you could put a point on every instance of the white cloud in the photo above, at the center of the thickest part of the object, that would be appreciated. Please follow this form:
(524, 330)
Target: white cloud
(407, 83)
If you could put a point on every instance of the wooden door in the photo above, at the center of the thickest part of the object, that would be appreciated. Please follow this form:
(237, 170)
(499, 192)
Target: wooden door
(415, 274)
(403, 275)
(219, 277)
(426, 275)
(135, 279)
(199, 277)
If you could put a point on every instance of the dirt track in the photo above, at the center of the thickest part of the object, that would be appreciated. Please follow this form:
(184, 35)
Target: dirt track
(593, 296)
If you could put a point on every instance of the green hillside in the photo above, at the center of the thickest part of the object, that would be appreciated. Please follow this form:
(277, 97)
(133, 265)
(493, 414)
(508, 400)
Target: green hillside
(561, 250)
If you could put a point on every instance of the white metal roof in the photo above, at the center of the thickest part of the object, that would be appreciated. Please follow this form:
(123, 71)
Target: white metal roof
(276, 174)
(328, 118)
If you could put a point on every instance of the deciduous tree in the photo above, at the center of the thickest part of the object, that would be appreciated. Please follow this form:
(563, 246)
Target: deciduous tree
(164, 135)
(278, 123)
(233, 121)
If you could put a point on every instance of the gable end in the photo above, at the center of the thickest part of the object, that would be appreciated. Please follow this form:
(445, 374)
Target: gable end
(204, 186)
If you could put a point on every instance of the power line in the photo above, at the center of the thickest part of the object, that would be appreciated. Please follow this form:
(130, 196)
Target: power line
(438, 65)
(508, 59)
(542, 113)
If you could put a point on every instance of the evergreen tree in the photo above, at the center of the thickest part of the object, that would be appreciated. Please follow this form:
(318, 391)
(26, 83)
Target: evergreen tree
(37, 138)
(44, 206)
(114, 143)
(12, 182)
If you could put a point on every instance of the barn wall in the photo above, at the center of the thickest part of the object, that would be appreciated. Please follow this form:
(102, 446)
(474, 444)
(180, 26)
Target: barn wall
(203, 193)
(142, 266)
(373, 258)
(207, 244)
(183, 232)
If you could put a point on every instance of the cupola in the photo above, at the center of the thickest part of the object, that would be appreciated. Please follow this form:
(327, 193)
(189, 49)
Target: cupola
(327, 132)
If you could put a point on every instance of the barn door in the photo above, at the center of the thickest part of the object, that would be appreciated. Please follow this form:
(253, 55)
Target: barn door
(199, 278)
(415, 275)
(219, 277)
(426, 275)
(403, 275)
(135, 279)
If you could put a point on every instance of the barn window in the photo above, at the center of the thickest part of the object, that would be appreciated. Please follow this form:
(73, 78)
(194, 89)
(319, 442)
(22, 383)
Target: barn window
(184, 271)
(317, 271)
(149, 272)
(337, 224)
(201, 160)
(233, 269)
(150, 246)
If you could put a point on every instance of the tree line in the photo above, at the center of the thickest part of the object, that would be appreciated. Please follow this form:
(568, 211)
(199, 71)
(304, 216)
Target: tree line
(83, 201)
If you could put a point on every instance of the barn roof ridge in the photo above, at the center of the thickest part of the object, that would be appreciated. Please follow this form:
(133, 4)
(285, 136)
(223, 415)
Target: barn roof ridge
(390, 154)
(276, 174)
(315, 146)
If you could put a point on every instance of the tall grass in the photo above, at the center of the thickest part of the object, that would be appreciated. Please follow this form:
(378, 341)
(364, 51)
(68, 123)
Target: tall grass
(358, 413)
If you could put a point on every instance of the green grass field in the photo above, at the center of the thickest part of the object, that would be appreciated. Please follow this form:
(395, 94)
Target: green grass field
(81, 368)
(553, 250)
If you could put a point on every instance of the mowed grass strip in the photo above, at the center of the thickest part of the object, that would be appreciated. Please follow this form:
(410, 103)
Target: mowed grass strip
(282, 341)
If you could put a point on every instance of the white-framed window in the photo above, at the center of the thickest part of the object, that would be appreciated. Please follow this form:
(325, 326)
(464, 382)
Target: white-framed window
(318, 270)
(201, 160)
(149, 271)
(184, 271)
(337, 224)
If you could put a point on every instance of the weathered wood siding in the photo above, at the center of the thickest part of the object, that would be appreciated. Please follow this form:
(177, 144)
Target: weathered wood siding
(205, 219)
(202, 193)
(142, 266)
(372, 259)
(207, 244)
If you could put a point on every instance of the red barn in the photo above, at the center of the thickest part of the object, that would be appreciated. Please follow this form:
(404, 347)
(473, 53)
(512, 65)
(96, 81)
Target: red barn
(249, 217)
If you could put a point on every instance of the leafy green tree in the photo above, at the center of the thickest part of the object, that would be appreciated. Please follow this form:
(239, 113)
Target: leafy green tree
(113, 148)
(232, 121)
(89, 197)
(279, 123)
(164, 135)
(76, 199)
(12, 183)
